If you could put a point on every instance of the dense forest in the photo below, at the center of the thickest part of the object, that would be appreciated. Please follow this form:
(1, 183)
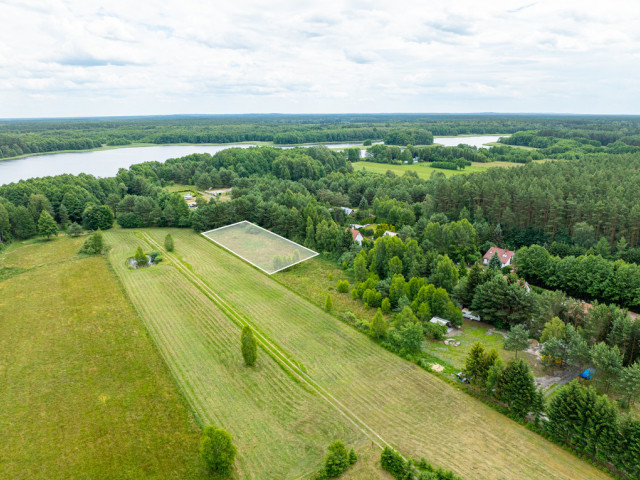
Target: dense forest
(19, 137)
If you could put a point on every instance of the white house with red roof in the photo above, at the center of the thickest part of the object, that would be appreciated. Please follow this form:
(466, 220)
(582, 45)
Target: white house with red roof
(504, 255)
(356, 235)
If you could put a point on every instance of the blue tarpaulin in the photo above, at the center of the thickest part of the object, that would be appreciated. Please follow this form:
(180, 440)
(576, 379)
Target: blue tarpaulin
(588, 373)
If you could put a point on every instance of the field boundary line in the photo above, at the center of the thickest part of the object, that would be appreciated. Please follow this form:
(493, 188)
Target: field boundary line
(273, 351)
(246, 222)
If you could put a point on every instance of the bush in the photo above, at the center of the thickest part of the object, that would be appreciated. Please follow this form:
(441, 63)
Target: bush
(93, 245)
(392, 462)
(168, 242)
(249, 346)
(75, 229)
(337, 460)
(343, 286)
(217, 450)
(154, 256)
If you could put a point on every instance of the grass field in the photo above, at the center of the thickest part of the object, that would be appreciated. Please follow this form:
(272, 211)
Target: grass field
(425, 170)
(388, 398)
(262, 248)
(280, 427)
(84, 394)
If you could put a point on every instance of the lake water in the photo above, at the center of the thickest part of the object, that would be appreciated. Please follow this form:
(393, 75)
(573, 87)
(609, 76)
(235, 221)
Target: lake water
(478, 141)
(105, 163)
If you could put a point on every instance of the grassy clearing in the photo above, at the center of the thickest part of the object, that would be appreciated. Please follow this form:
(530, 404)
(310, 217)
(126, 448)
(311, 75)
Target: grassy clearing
(416, 412)
(83, 391)
(258, 246)
(425, 170)
(281, 429)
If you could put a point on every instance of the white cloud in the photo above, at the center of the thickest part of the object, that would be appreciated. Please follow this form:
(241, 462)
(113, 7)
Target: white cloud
(72, 57)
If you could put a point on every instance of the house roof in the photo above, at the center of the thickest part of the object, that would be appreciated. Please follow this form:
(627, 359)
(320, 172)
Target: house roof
(439, 320)
(355, 233)
(504, 254)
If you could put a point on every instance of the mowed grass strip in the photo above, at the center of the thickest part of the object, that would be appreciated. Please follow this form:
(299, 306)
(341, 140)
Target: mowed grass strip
(425, 170)
(281, 429)
(84, 394)
(416, 411)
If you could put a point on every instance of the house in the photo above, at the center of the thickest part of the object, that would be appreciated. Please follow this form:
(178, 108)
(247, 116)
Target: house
(356, 235)
(347, 211)
(441, 321)
(504, 255)
(389, 233)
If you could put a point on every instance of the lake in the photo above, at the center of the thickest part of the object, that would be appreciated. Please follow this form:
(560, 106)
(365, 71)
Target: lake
(105, 163)
(478, 141)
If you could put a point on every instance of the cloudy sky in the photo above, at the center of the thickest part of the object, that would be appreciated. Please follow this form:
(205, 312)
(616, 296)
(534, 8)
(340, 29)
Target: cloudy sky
(136, 57)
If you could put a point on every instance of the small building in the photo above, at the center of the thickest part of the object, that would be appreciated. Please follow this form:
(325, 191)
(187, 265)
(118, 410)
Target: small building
(469, 315)
(356, 235)
(504, 255)
(192, 204)
(389, 233)
(441, 321)
(347, 211)
(358, 227)
(188, 197)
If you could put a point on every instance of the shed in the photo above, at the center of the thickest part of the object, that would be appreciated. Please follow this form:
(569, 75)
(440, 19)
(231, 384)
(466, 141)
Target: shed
(441, 321)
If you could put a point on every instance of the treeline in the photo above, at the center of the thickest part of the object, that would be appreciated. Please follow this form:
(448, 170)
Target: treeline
(18, 137)
(462, 155)
(587, 276)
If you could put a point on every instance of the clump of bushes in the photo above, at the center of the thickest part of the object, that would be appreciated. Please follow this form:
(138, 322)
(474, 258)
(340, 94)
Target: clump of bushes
(217, 450)
(337, 461)
(343, 286)
(392, 462)
(93, 245)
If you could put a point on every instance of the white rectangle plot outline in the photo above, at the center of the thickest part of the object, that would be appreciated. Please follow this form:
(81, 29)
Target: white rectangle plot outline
(247, 222)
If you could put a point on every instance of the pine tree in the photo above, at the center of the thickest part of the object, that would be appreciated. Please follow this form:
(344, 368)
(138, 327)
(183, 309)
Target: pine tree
(249, 346)
(353, 457)
(517, 388)
(140, 257)
(495, 262)
(337, 460)
(360, 268)
(474, 363)
(629, 383)
(47, 225)
(75, 229)
(328, 304)
(168, 243)
(517, 339)
(378, 325)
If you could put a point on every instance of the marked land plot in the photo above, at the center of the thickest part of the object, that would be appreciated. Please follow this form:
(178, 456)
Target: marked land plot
(261, 248)
(280, 426)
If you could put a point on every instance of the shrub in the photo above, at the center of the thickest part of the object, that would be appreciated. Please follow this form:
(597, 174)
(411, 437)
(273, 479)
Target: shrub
(168, 242)
(249, 346)
(353, 457)
(75, 229)
(343, 286)
(217, 450)
(93, 245)
(140, 257)
(154, 256)
(337, 460)
(328, 304)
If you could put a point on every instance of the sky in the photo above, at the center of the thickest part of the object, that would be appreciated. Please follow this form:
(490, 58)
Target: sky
(136, 57)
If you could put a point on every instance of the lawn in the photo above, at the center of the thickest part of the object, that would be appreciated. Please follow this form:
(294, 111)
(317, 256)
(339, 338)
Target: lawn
(425, 170)
(84, 393)
(280, 427)
(396, 402)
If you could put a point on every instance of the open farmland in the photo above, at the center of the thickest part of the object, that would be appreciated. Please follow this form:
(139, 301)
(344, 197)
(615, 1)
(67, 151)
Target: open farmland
(84, 394)
(425, 170)
(414, 411)
(280, 427)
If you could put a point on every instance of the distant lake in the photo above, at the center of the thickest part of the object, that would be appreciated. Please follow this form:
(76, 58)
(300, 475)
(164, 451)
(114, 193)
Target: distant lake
(478, 141)
(105, 163)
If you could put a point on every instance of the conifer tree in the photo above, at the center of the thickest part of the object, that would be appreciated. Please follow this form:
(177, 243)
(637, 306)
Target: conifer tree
(168, 243)
(517, 339)
(249, 346)
(328, 304)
